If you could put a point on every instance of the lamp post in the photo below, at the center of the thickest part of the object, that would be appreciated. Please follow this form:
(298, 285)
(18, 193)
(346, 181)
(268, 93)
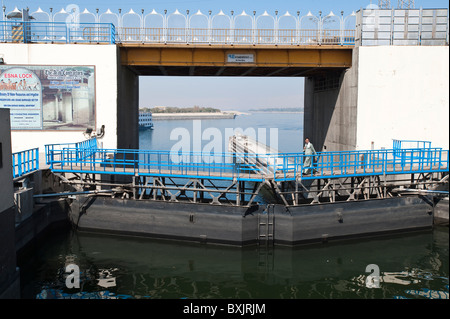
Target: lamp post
(254, 28)
(165, 26)
(209, 27)
(320, 28)
(232, 27)
(119, 18)
(276, 27)
(187, 25)
(3, 19)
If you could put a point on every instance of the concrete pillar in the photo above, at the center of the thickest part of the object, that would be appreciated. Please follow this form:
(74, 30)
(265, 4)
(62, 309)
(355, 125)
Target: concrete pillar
(66, 108)
(80, 105)
(330, 109)
(50, 109)
(127, 108)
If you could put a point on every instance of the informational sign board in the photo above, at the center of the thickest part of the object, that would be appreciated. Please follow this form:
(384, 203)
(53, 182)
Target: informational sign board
(240, 58)
(48, 97)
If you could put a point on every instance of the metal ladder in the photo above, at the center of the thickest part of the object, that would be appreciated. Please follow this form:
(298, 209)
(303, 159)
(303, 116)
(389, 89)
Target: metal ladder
(266, 225)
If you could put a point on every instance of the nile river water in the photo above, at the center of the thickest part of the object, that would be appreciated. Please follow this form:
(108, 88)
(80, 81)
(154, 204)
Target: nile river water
(411, 266)
(414, 265)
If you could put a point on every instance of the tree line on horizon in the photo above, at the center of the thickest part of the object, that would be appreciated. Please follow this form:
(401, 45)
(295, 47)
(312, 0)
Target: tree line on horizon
(199, 109)
(174, 109)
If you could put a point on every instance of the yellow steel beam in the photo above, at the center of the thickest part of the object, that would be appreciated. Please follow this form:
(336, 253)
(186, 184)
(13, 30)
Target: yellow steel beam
(328, 56)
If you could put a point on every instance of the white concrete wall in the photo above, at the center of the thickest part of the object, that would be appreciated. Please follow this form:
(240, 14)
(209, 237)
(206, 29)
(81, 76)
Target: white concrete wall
(103, 57)
(403, 93)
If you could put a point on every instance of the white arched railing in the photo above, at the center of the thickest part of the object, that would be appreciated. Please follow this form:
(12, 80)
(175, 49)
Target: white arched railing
(221, 28)
(87, 17)
(309, 29)
(265, 29)
(330, 29)
(131, 27)
(154, 26)
(42, 20)
(211, 28)
(41, 16)
(109, 17)
(287, 26)
(176, 27)
(199, 28)
(243, 26)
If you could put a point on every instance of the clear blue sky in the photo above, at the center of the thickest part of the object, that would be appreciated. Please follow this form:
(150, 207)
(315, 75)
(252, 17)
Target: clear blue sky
(226, 93)
(215, 5)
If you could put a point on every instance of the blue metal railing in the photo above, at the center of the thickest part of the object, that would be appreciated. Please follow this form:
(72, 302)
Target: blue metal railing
(56, 32)
(83, 150)
(225, 166)
(25, 162)
(86, 157)
(362, 163)
(399, 144)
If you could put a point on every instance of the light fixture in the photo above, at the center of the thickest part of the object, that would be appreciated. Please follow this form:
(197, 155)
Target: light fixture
(87, 133)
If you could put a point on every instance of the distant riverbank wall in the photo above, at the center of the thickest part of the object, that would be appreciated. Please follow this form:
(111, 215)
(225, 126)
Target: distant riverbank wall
(192, 116)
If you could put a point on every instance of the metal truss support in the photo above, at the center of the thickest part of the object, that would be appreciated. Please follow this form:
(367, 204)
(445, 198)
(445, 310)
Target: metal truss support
(204, 190)
(332, 190)
(245, 193)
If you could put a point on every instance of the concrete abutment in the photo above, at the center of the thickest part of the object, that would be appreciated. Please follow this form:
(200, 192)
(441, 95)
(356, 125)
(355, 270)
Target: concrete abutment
(390, 92)
(127, 108)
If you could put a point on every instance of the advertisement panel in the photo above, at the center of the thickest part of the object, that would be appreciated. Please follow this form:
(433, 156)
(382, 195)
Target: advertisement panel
(48, 97)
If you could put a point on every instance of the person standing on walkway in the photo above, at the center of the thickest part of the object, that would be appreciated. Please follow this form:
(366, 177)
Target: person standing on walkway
(310, 152)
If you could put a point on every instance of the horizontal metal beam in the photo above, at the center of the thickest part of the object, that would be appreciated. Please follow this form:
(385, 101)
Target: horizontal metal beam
(273, 57)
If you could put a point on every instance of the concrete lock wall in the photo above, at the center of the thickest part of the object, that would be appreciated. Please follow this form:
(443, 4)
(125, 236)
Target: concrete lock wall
(9, 280)
(390, 92)
(403, 94)
(6, 176)
(128, 109)
(105, 60)
(330, 108)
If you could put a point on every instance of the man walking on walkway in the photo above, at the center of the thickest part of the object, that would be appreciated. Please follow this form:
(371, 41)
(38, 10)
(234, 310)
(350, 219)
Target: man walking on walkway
(310, 152)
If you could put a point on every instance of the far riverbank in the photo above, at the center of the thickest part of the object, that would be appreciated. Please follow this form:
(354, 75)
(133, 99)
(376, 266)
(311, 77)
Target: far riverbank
(193, 116)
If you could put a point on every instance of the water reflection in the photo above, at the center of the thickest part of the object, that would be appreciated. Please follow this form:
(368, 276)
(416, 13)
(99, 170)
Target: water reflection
(411, 266)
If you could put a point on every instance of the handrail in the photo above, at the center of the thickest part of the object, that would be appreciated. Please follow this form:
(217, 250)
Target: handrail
(56, 32)
(397, 144)
(86, 157)
(25, 162)
(236, 36)
(53, 151)
(61, 32)
(368, 162)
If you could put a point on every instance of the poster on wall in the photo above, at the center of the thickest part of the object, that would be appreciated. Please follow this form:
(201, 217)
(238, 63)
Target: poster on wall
(48, 97)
